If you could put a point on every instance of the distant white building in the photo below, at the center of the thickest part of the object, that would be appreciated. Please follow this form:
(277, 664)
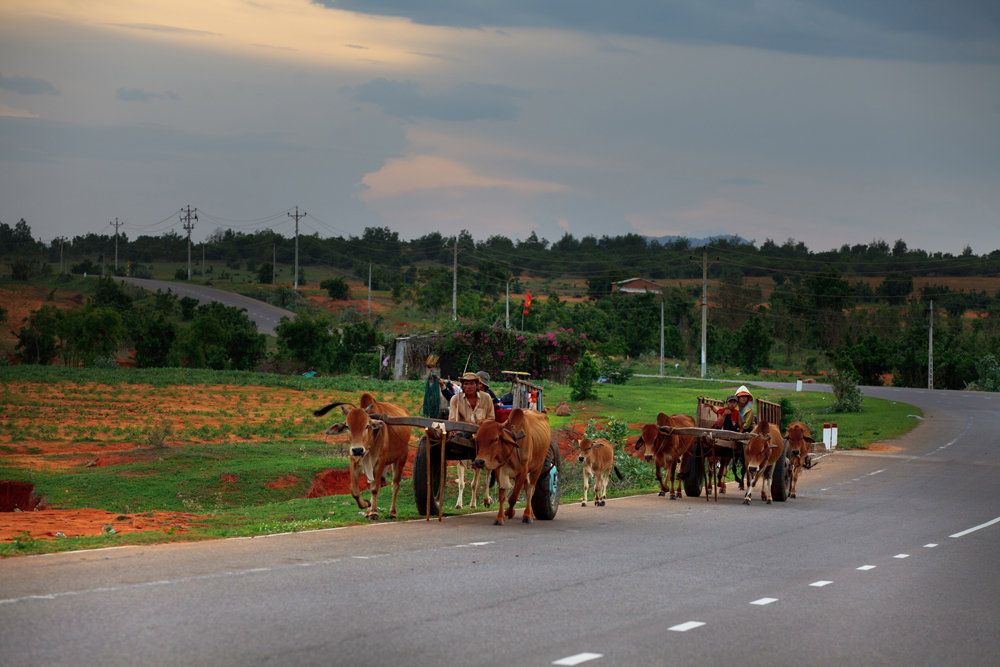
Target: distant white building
(636, 286)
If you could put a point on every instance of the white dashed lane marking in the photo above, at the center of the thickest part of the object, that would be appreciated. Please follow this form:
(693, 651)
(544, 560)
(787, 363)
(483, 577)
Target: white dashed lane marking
(865, 568)
(764, 601)
(684, 627)
(930, 545)
(901, 556)
(821, 583)
(578, 658)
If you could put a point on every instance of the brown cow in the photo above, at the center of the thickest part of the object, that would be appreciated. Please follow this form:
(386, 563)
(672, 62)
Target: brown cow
(374, 446)
(800, 442)
(598, 457)
(516, 450)
(762, 451)
(666, 450)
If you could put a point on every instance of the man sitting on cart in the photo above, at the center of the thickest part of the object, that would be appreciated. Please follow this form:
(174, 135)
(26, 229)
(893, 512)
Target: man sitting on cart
(471, 405)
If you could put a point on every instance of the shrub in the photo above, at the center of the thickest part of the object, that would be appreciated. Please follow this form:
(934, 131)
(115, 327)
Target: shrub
(582, 381)
(617, 372)
(847, 395)
(989, 374)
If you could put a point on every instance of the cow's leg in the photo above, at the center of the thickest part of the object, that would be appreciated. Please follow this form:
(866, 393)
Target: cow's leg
(476, 478)
(723, 469)
(397, 477)
(372, 513)
(501, 495)
(659, 478)
(586, 474)
(355, 470)
(529, 490)
(460, 482)
(604, 487)
(674, 481)
(795, 479)
(752, 475)
(765, 488)
(515, 492)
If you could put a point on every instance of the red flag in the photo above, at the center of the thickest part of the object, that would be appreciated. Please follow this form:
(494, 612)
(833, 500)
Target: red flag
(527, 302)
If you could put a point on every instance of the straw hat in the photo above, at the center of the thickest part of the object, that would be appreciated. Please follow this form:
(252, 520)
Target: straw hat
(484, 377)
(469, 377)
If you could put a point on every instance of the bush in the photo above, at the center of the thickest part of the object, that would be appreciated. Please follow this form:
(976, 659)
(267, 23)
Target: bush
(847, 396)
(989, 374)
(336, 288)
(582, 381)
(617, 372)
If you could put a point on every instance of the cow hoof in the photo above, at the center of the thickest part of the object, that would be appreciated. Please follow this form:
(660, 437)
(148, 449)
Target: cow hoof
(526, 519)
(792, 495)
(498, 523)
(373, 516)
(722, 489)
(768, 501)
(746, 501)
(583, 504)
(458, 506)
(663, 493)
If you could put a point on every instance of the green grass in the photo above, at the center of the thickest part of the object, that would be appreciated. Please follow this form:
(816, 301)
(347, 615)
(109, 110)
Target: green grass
(227, 483)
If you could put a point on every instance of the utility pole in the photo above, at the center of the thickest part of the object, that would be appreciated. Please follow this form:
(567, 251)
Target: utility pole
(661, 334)
(274, 261)
(370, 293)
(454, 283)
(704, 309)
(930, 349)
(297, 216)
(508, 304)
(116, 225)
(203, 261)
(188, 217)
(62, 240)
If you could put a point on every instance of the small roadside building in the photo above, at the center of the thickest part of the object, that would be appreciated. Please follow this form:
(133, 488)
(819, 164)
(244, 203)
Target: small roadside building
(636, 286)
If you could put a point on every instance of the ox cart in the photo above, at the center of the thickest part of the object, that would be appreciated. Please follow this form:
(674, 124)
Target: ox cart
(455, 440)
(711, 445)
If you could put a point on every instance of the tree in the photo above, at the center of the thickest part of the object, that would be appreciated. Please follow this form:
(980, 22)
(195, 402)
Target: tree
(337, 288)
(88, 333)
(222, 337)
(153, 336)
(265, 274)
(36, 340)
(752, 345)
(308, 340)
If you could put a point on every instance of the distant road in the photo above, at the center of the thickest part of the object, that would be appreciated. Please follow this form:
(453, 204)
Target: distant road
(264, 315)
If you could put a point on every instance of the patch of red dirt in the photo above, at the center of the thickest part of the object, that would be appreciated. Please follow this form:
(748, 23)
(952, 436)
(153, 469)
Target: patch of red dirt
(283, 482)
(52, 524)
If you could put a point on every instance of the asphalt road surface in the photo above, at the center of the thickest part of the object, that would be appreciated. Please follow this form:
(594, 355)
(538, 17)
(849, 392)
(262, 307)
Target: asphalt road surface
(264, 315)
(884, 559)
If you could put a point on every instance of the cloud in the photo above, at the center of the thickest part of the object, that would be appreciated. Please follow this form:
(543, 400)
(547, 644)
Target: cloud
(153, 27)
(11, 112)
(463, 102)
(26, 85)
(894, 29)
(135, 95)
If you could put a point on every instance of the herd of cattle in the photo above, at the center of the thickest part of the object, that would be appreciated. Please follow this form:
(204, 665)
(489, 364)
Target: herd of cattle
(514, 452)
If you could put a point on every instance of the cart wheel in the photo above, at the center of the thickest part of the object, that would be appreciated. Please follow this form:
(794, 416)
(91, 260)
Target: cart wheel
(781, 477)
(693, 469)
(420, 477)
(545, 501)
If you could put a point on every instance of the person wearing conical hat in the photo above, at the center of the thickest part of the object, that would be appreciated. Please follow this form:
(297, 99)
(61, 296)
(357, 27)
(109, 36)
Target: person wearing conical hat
(745, 404)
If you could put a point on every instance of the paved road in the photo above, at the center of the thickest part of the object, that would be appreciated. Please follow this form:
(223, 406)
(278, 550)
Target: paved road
(263, 314)
(883, 559)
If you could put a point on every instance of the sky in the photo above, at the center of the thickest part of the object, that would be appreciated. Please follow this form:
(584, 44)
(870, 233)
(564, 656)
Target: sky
(822, 121)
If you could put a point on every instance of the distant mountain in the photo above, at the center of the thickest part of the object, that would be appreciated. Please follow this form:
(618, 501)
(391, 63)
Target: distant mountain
(697, 243)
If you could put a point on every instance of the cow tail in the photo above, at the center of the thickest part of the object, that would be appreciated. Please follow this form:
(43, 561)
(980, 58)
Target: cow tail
(322, 411)
(619, 473)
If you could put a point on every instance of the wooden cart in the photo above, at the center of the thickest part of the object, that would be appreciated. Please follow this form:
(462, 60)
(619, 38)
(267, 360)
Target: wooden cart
(709, 441)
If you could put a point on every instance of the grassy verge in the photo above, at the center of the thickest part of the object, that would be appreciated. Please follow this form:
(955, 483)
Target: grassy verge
(227, 482)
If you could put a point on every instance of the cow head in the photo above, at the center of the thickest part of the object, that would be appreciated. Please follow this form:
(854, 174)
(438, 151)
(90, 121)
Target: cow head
(585, 446)
(801, 444)
(649, 440)
(495, 444)
(756, 449)
(363, 430)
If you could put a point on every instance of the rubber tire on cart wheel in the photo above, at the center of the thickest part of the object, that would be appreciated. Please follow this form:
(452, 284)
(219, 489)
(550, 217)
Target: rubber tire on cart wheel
(545, 501)
(420, 477)
(781, 477)
(694, 472)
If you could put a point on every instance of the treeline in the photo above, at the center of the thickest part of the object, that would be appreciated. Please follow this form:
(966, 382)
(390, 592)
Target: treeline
(498, 259)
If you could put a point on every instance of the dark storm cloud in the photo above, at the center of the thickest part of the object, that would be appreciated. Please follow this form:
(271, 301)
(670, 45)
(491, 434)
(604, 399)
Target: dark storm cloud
(27, 85)
(896, 29)
(463, 102)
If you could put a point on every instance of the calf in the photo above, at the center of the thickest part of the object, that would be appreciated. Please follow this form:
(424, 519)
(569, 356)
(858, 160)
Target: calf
(666, 450)
(800, 442)
(516, 451)
(374, 445)
(598, 457)
(762, 451)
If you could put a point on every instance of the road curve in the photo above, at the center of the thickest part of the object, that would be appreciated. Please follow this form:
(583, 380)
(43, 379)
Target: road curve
(885, 558)
(264, 315)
